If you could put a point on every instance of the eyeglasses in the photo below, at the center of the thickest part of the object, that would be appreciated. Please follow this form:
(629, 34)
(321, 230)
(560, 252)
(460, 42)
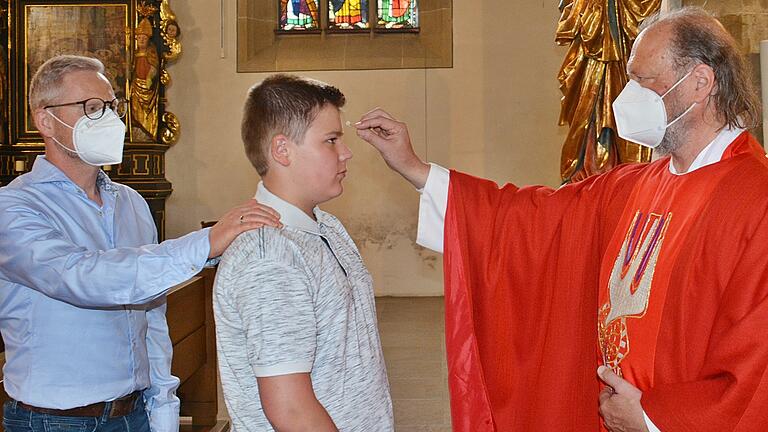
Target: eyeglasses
(94, 108)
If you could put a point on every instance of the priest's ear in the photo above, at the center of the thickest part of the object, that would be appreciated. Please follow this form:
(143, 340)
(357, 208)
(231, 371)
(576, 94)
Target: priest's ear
(279, 150)
(706, 86)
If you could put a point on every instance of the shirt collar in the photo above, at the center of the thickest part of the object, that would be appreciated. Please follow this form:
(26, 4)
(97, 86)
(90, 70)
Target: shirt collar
(45, 172)
(712, 153)
(104, 182)
(290, 215)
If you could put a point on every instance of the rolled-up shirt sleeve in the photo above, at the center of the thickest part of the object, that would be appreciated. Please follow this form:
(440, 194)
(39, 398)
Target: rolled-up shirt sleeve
(432, 207)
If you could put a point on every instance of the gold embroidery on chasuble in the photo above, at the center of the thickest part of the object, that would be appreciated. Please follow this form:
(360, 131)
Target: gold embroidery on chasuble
(629, 287)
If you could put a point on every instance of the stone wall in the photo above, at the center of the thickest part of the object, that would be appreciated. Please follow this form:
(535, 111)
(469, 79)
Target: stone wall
(747, 21)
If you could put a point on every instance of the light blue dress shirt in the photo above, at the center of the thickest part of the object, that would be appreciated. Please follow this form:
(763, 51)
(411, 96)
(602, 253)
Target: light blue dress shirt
(82, 305)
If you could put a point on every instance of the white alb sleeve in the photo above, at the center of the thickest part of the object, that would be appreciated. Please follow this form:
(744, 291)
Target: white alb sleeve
(432, 206)
(651, 427)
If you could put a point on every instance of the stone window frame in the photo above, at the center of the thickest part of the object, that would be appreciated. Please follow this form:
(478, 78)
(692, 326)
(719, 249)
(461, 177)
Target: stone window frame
(260, 48)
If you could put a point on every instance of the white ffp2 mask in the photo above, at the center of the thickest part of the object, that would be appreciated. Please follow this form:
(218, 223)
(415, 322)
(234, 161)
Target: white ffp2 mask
(97, 142)
(641, 116)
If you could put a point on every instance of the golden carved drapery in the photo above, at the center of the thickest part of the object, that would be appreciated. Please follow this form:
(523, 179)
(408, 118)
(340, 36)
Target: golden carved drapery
(144, 85)
(600, 34)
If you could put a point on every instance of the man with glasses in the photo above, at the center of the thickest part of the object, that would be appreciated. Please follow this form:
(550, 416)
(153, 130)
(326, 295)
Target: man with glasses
(95, 108)
(82, 278)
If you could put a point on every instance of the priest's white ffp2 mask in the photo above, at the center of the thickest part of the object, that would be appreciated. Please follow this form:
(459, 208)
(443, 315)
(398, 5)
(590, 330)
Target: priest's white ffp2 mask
(641, 116)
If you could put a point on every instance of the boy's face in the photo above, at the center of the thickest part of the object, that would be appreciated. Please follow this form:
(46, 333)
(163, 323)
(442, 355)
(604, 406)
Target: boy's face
(320, 161)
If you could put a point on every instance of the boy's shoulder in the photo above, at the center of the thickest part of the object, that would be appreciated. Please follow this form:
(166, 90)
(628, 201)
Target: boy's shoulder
(265, 243)
(264, 254)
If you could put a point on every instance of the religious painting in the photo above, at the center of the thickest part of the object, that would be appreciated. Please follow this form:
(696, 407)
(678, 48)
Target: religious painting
(93, 30)
(299, 15)
(3, 74)
(134, 39)
(348, 15)
(397, 15)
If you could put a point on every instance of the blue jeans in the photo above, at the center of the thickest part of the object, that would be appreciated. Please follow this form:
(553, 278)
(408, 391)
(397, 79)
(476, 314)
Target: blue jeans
(18, 419)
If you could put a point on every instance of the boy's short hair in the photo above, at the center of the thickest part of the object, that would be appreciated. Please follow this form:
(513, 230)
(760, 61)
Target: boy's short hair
(282, 104)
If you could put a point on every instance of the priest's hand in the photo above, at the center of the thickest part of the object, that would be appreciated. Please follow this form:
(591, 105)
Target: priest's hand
(390, 137)
(620, 404)
(247, 216)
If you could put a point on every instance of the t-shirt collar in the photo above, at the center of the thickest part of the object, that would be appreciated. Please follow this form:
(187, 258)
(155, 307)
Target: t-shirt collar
(290, 215)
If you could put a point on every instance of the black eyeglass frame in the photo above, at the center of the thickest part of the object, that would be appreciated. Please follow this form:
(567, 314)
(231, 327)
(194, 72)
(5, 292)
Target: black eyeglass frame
(113, 104)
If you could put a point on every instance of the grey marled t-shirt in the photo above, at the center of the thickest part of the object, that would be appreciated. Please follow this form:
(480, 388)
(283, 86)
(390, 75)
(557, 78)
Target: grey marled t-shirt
(294, 300)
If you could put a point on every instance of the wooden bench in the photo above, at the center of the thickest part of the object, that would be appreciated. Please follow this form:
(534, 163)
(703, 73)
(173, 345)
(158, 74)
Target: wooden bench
(190, 324)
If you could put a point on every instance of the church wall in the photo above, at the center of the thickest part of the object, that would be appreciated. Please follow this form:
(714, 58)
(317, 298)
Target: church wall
(493, 114)
(747, 21)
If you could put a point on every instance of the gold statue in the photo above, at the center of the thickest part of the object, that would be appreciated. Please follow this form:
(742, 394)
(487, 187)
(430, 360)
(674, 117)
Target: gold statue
(144, 83)
(600, 34)
(171, 33)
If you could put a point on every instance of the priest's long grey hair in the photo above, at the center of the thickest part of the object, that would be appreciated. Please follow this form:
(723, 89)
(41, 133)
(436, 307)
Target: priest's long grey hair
(698, 37)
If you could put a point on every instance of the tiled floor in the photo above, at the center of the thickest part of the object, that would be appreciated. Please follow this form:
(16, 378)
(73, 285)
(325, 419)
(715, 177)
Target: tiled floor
(412, 335)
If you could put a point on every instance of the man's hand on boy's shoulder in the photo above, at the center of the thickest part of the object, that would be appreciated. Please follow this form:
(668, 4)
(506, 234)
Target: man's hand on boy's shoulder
(247, 216)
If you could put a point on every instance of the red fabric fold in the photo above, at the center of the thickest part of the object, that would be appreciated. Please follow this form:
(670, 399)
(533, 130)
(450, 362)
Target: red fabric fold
(521, 302)
(522, 282)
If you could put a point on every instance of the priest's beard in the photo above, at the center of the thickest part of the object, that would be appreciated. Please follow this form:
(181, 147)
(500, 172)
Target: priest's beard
(675, 135)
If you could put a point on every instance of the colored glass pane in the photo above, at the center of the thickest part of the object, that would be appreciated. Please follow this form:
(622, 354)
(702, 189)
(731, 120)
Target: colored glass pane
(298, 15)
(348, 14)
(398, 14)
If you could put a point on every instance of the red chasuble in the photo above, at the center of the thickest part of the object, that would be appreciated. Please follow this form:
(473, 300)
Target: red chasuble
(663, 278)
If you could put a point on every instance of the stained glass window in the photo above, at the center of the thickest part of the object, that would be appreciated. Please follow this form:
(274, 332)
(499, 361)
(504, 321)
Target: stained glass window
(348, 14)
(298, 15)
(398, 14)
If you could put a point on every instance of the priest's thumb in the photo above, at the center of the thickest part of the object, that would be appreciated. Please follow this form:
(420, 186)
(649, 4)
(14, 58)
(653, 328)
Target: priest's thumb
(619, 385)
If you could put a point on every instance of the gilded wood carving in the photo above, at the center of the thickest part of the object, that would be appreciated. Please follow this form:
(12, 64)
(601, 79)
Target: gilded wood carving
(135, 39)
(599, 34)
